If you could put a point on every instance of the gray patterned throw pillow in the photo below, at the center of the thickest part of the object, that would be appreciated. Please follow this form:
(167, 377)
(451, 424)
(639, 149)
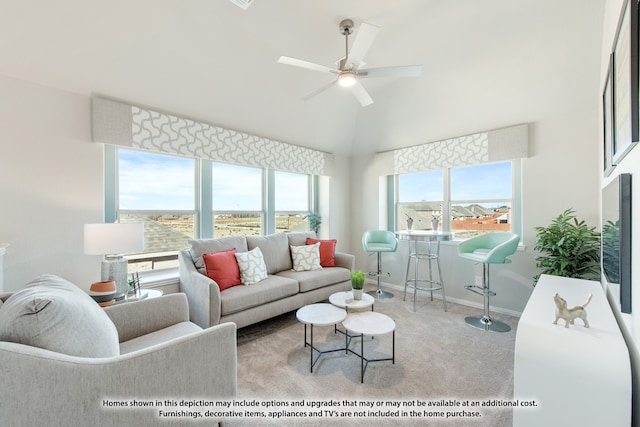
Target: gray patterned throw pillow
(252, 266)
(306, 258)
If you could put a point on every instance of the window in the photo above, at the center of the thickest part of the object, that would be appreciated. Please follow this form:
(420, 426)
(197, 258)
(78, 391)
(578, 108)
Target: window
(291, 201)
(237, 200)
(467, 200)
(180, 198)
(420, 199)
(158, 190)
(481, 199)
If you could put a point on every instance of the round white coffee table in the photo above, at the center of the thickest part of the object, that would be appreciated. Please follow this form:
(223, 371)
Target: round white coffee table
(345, 300)
(370, 323)
(321, 314)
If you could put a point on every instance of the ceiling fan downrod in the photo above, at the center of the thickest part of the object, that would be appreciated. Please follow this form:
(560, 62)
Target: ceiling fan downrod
(346, 28)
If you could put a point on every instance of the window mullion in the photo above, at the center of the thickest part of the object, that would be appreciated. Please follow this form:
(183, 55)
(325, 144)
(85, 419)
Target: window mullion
(446, 202)
(204, 194)
(269, 202)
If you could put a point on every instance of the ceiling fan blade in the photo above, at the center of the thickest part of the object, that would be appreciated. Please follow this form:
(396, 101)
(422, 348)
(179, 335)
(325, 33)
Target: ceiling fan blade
(400, 71)
(306, 64)
(361, 95)
(318, 91)
(364, 39)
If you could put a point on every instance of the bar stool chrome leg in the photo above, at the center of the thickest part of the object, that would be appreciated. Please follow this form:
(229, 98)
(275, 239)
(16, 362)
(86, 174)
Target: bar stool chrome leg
(429, 284)
(379, 293)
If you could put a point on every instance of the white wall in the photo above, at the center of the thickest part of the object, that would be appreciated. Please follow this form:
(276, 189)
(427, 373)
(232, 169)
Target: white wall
(51, 180)
(559, 174)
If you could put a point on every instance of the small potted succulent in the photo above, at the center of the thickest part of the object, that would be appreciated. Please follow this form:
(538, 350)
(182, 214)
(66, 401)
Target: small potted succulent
(357, 283)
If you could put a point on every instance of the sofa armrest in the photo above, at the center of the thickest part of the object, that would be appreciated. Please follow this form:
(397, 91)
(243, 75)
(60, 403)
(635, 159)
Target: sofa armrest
(345, 260)
(134, 319)
(202, 293)
(201, 365)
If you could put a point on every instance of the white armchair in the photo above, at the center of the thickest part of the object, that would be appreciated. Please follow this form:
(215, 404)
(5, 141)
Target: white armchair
(162, 357)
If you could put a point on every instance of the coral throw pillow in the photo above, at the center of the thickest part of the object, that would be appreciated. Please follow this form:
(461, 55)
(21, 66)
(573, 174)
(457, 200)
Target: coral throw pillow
(223, 268)
(327, 251)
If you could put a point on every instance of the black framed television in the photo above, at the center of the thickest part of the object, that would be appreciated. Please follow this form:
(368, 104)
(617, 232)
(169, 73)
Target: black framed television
(616, 237)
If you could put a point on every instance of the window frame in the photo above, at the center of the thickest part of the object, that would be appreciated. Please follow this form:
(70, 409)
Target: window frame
(203, 209)
(516, 199)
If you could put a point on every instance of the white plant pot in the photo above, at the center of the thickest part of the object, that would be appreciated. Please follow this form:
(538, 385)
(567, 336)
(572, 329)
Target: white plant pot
(357, 294)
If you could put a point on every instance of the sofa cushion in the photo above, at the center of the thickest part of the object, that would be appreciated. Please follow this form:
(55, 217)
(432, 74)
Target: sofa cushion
(252, 266)
(298, 238)
(199, 247)
(310, 280)
(223, 268)
(327, 251)
(270, 289)
(306, 257)
(275, 249)
(52, 313)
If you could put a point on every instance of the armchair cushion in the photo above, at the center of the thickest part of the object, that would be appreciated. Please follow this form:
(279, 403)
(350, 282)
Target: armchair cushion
(53, 314)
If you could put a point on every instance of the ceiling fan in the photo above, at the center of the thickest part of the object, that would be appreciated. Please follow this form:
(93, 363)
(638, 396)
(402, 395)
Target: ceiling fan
(349, 72)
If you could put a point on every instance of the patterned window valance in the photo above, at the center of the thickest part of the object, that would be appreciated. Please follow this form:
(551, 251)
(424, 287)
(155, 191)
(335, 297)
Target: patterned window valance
(128, 125)
(484, 147)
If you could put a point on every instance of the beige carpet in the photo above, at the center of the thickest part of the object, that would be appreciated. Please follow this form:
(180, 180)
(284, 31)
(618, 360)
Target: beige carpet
(438, 357)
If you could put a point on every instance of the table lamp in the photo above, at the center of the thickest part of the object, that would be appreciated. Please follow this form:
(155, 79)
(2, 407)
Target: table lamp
(113, 240)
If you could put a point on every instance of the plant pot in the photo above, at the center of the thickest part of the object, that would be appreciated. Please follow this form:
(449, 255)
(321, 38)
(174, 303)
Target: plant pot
(357, 294)
(409, 224)
(434, 224)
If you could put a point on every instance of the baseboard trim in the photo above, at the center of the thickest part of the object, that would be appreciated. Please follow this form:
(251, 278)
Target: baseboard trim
(460, 301)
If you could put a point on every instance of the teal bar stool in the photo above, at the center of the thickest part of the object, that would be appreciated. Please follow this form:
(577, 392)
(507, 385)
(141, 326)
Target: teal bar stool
(379, 241)
(490, 248)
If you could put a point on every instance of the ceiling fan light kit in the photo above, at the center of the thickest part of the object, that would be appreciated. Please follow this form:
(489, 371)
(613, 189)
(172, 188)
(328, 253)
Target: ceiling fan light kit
(347, 78)
(349, 73)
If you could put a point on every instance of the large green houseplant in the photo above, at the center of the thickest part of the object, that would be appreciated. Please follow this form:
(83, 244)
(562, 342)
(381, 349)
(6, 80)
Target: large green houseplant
(568, 247)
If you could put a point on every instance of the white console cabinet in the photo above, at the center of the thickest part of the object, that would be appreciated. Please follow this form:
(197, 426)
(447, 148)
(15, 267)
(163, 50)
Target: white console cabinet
(577, 376)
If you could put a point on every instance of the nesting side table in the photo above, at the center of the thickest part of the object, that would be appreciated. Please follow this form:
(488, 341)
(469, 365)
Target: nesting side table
(370, 323)
(345, 300)
(320, 314)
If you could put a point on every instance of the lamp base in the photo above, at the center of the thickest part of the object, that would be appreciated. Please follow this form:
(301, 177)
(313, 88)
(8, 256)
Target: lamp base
(114, 267)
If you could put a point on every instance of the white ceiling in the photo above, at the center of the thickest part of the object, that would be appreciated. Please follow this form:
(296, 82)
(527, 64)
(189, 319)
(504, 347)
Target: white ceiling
(487, 63)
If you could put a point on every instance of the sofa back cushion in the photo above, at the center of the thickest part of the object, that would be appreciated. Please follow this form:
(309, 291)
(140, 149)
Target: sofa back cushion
(54, 314)
(299, 238)
(199, 247)
(275, 250)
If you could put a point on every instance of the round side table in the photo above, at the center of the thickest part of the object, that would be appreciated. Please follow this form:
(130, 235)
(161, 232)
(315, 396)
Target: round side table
(345, 300)
(321, 314)
(370, 323)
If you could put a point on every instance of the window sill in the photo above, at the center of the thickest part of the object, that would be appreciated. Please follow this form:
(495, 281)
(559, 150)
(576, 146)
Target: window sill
(159, 278)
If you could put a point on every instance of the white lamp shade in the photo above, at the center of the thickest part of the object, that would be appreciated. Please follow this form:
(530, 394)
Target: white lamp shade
(116, 238)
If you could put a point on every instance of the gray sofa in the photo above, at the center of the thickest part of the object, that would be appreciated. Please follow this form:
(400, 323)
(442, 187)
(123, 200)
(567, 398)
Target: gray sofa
(158, 354)
(282, 291)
